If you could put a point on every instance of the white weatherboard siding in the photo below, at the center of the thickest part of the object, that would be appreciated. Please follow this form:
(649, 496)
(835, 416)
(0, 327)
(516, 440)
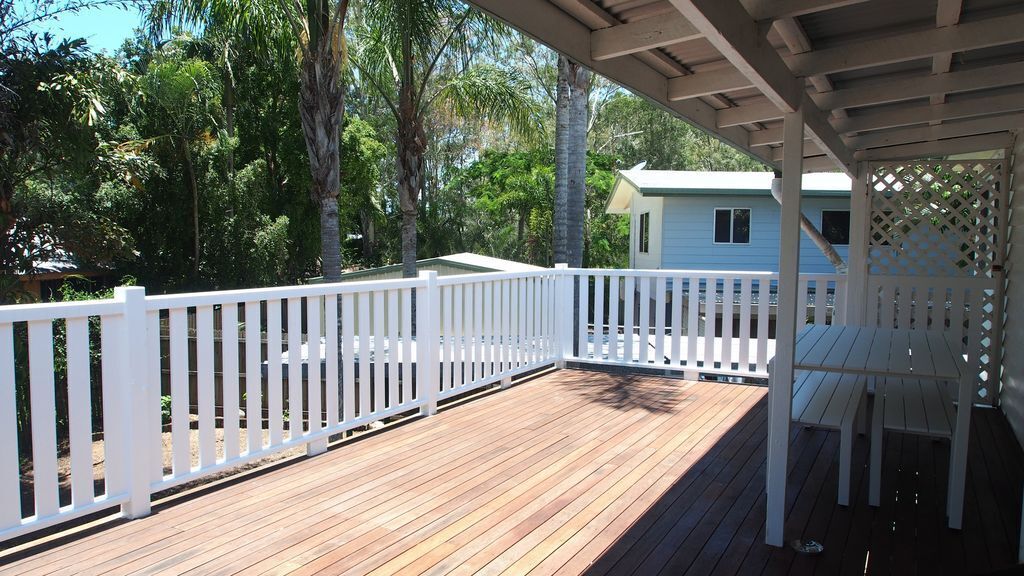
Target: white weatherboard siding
(1012, 395)
(689, 234)
(652, 259)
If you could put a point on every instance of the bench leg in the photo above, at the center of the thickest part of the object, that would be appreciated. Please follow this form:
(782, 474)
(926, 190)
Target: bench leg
(845, 460)
(875, 464)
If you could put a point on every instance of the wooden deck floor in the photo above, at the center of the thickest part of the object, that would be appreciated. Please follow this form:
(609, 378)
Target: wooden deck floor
(573, 472)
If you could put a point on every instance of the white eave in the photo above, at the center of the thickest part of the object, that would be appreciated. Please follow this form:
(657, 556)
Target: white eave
(877, 80)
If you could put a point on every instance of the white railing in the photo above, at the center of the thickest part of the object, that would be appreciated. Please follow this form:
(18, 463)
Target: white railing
(969, 308)
(243, 374)
(248, 373)
(697, 322)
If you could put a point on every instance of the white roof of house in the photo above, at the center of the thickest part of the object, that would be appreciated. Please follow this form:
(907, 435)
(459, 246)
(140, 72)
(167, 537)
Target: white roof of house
(481, 261)
(694, 183)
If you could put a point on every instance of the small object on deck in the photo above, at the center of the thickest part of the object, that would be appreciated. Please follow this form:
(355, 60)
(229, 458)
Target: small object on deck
(808, 547)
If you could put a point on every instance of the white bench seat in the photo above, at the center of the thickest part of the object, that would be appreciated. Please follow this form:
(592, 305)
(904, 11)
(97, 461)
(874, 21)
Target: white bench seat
(831, 400)
(908, 405)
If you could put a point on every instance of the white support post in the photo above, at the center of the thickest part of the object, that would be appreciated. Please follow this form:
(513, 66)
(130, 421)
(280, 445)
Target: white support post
(857, 272)
(781, 382)
(565, 320)
(428, 320)
(134, 390)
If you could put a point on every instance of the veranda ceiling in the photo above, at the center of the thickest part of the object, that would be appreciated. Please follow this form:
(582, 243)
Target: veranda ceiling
(877, 79)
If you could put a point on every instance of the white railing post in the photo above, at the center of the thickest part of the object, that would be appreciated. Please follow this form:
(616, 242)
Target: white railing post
(428, 330)
(133, 389)
(565, 320)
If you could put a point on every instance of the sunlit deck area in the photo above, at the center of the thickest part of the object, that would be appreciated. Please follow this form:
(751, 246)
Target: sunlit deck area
(571, 472)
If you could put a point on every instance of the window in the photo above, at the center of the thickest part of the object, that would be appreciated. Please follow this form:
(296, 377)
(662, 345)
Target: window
(644, 236)
(835, 226)
(732, 225)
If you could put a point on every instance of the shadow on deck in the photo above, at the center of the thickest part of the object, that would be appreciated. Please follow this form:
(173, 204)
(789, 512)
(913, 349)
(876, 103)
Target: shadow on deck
(573, 472)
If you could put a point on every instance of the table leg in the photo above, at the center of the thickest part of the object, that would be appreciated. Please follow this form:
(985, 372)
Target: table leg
(877, 432)
(958, 457)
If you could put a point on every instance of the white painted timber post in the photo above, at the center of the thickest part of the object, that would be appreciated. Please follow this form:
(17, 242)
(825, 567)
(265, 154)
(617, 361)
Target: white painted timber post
(857, 272)
(781, 382)
(428, 330)
(563, 315)
(134, 393)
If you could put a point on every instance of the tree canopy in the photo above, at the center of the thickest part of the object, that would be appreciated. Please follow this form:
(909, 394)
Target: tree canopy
(184, 159)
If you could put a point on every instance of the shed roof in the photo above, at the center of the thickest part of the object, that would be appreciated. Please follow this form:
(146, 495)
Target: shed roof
(693, 183)
(463, 262)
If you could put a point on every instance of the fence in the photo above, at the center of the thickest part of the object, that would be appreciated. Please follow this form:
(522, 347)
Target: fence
(295, 365)
(697, 322)
(256, 393)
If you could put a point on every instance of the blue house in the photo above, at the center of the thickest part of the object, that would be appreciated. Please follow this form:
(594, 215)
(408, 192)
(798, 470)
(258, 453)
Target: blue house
(724, 220)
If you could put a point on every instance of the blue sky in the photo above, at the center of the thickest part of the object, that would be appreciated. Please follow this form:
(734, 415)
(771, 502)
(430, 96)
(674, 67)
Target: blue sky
(104, 27)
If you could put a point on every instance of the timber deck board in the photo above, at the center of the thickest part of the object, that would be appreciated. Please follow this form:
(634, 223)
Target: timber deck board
(573, 472)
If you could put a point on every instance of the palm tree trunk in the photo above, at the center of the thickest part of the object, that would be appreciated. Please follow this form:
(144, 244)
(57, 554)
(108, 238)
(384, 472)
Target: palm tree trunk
(579, 89)
(190, 177)
(412, 146)
(563, 130)
(321, 104)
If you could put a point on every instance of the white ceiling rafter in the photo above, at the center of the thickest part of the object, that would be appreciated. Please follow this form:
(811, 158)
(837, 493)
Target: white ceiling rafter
(941, 131)
(938, 148)
(732, 31)
(894, 90)
(985, 33)
(947, 13)
(649, 33)
(640, 36)
(910, 115)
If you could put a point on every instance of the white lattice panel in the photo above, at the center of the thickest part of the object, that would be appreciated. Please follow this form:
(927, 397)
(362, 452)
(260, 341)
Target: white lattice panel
(936, 218)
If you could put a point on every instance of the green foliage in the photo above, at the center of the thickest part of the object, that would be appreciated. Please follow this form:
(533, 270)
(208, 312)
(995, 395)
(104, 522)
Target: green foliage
(633, 130)
(111, 162)
(514, 192)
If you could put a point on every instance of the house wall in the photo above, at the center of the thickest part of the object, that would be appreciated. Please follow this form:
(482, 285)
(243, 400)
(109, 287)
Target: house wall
(1012, 396)
(689, 234)
(653, 258)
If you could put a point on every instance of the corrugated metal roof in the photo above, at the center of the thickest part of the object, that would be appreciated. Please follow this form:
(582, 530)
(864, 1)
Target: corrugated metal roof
(693, 183)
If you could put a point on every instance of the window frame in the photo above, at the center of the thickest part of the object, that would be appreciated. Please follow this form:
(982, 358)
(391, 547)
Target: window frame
(821, 223)
(732, 218)
(644, 233)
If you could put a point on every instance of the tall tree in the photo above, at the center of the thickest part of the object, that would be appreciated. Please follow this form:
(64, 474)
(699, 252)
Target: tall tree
(419, 55)
(570, 160)
(316, 30)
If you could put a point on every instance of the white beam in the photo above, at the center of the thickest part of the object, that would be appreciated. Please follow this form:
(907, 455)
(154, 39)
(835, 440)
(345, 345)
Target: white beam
(766, 137)
(939, 148)
(780, 389)
(730, 29)
(910, 46)
(775, 9)
(639, 36)
(922, 86)
(857, 256)
(749, 114)
(947, 13)
(819, 164)
(911, 115)
(944, 130)
(810, 149)
(704, 83)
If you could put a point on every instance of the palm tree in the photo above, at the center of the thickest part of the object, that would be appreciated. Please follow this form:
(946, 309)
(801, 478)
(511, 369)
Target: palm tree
(417, 55)
(571, 109)
(314, 29)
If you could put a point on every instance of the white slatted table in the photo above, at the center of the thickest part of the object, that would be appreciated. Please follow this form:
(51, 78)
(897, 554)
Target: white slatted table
(918, 354)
